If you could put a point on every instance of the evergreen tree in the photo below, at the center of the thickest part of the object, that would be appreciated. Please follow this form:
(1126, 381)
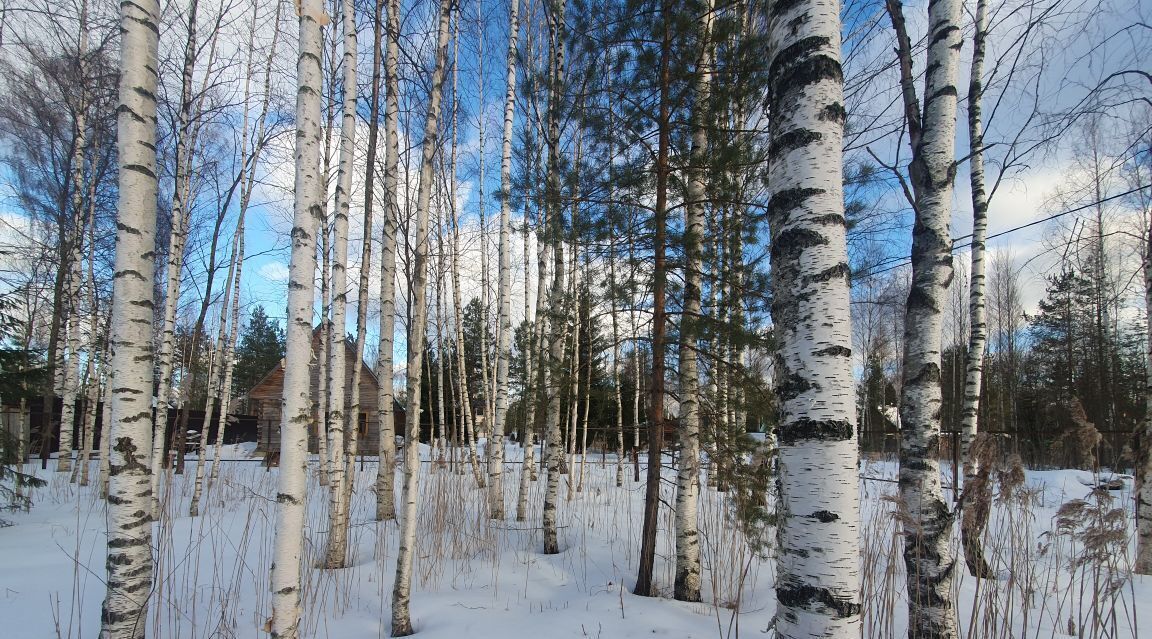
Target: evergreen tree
(261, 349)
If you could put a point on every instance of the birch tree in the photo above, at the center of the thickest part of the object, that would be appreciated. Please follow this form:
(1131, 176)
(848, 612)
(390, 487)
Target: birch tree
(504, 315)
(976, 497)
(176, 242)
(928, 557)
(402, 587)
(818, 583)
(687, 586)
(297, 403)
(385, 477)
(129, 564)
(554, 446)
(69, 364)
(344, 422)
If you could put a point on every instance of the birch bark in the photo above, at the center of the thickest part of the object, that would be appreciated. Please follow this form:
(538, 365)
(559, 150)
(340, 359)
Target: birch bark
(344, 424)
(928, 555)
(176, 240)
(504, 314)
(1143, 563)
(818, 584)
(976, 497)
(297, 405)
(687, 585)
(402, 588)
(554, 450)
(385, 479)
(129, 562)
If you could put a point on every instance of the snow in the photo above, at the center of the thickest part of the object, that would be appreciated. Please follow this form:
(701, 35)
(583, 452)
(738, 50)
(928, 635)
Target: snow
(484, 579)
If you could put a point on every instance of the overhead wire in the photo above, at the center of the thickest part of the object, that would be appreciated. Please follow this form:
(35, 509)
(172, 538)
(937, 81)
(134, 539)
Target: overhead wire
(905, 261)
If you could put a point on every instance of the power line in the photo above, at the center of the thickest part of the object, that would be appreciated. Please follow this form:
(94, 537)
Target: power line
(905, 261)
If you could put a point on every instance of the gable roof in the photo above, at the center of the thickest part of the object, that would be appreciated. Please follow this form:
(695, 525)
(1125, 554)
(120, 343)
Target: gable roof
(349, 351)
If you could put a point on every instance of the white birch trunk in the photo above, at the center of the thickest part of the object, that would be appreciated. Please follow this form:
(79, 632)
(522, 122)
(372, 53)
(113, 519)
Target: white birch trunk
(504, 314)
(97, 360)
(687, 584)
(818, 584)
(385, 478)
(247, 183)
(72, 280)
(71, 362)
(467, 414)
(343, 421)
(528, 466)
(402, 587)
(1143, 563)
(554, 450)
(125, 610)
(230, 348)
(216, 360)
(616, 369)
(175, 265)
(976, 496)
(296, 410)
(928, 556)
(105, 434)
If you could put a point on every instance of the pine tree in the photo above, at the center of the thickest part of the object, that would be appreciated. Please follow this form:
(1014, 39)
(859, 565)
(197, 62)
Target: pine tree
(260, 349)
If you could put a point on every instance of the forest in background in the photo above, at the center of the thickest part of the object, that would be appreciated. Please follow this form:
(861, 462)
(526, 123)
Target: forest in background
(620, 226)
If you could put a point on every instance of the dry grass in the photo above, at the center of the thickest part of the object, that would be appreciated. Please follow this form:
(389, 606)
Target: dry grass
(1067, 576)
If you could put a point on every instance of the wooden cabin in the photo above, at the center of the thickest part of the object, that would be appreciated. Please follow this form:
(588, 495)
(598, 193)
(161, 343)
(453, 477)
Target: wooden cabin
(264, 401)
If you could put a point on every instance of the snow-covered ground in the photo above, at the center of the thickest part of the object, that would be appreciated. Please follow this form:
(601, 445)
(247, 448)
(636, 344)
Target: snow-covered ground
(481, 579)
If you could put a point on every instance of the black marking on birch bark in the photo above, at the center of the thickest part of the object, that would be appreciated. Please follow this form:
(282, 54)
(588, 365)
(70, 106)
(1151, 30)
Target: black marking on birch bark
(788, 245)
(809, 597)
(124, 108)
(834, 112)
(125, 447)
(919, 299)
(144, 93)
(781, 7)
(142, 170)
(138, 586)
(825, 517)
(829, 219)
(787, 200)
(943, 34)
(792, 140)
(131, 230)
(126, 542)
(929, 373)
(841, 270)
(949, 90)
(287, 590)
(792, 73)
(109, 617)
(816, 429)
(792, 386)
(285, 498)
(142, 303)
(838, 351)
(310, 56)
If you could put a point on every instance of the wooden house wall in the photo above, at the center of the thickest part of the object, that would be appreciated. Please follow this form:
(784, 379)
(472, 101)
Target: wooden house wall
(265, 401)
